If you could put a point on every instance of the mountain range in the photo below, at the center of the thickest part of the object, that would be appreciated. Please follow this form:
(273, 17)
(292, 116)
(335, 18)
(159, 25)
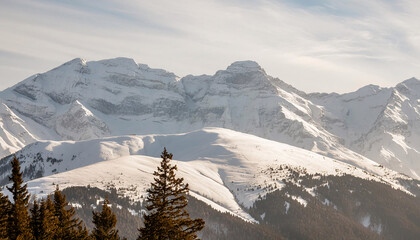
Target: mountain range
(85, 100)
(237, 136)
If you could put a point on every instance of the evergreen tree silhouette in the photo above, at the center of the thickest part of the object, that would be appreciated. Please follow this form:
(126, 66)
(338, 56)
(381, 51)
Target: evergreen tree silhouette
(35, 222)
(48, 220)
(4, 210)
(105, 222)
(18, 216)
(166, 202)
(69, 227)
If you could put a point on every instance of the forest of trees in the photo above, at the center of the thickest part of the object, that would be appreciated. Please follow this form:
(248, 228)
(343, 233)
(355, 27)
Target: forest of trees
(53, 217)
(337, 209)
(219, 225)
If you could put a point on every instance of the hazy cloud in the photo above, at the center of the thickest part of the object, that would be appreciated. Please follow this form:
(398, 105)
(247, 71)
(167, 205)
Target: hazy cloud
(326, 45)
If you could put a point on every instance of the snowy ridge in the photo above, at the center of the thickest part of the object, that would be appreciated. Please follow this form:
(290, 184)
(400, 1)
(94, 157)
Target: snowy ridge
(224, 168)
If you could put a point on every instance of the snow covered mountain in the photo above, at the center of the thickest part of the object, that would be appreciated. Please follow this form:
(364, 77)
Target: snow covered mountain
(226, 169)
(379, 123)
(87, 100)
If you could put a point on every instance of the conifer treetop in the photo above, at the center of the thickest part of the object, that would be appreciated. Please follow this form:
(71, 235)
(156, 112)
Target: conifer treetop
(166, 202)
(105, 222)
(18, 216)
(18, 190)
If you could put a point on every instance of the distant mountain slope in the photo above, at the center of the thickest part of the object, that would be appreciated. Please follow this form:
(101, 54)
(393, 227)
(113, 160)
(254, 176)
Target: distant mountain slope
(220, 226)
(380, 123)
(345, 206)
(341, 207)
(82, 100)
(224, 168)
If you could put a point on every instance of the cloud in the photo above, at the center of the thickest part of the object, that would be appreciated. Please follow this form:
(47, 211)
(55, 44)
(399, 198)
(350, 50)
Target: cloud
(326, 45)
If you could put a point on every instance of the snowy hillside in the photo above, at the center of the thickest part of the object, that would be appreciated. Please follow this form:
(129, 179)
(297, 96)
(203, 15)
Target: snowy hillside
(224, 168)
(82, 100)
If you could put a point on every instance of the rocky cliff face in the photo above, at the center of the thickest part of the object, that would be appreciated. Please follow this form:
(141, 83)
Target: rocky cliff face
(83, 100)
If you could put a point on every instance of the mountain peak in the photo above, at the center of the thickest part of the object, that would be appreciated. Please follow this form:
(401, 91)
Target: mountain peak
(409, 86)
(368, 90)
(74, 64)
(244, 66)
(76, 61)
(78, 106)
(119, 61)
(410, 82)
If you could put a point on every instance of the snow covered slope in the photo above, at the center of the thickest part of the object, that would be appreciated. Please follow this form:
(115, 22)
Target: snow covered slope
(18, 131)
(86, 100)
(379, 123)
(226, 169)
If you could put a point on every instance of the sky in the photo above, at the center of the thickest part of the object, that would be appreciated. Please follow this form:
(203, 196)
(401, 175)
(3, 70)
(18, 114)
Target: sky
(314, 45)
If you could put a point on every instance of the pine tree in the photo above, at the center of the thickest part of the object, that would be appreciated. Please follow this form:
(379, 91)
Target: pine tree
(4, 209)
(18, 217)
(166, 202)
(105, 222)
(48, 220)
(35, 222)
(69, 226)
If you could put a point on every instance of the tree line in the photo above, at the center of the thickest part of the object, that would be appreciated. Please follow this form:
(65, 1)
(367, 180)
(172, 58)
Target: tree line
(54, 218)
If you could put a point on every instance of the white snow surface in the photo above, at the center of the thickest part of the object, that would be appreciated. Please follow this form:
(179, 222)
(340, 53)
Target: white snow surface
(220, 165)
(300, 200)
(287, 205)
(365, 221)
